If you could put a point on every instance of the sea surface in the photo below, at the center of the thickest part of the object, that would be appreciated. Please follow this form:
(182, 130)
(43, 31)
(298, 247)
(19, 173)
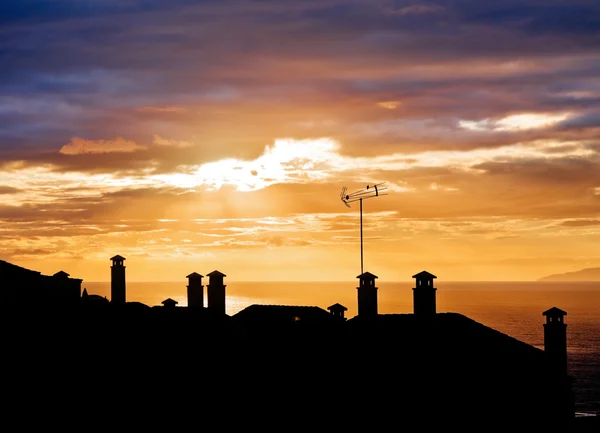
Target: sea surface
(514, 308)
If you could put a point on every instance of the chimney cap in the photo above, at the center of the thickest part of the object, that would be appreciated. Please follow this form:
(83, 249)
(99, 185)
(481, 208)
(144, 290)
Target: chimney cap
(424, 274)
(216, 273)
(195, 275)
(367, 275)
(554, 312)
(117, 257)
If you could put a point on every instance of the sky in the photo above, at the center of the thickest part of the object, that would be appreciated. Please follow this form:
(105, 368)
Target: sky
(189, 136)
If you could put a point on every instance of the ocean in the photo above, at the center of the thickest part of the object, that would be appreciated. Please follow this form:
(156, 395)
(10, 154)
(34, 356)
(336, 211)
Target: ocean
(514, 308)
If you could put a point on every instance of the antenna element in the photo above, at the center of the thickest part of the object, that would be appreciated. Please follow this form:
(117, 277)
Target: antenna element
(370, 191)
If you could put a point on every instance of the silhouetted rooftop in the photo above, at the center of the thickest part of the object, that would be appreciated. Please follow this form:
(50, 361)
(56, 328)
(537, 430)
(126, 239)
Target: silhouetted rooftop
(553, 312)
(194, 276)
(424, 274)
(169, 302)
(367, 275)
(8, 269)
(283, 313)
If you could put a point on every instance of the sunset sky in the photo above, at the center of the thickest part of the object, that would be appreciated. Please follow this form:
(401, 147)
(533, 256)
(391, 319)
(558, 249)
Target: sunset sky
(189, 136)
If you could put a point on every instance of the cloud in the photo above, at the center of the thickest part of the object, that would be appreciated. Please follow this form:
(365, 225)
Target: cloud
(417, 9)
(586, 120)
(80, 146)
(287, 169)
(168, 109)
(515, 122)
(4, 189)
(580, 223)
(456, 104)
(390, 105)
(159, 141)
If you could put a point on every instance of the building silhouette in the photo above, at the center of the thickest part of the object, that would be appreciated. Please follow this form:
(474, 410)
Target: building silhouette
(23, 285)
(370, 372)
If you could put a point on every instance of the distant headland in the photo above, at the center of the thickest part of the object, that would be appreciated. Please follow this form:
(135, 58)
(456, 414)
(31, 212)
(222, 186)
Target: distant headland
(589, 274)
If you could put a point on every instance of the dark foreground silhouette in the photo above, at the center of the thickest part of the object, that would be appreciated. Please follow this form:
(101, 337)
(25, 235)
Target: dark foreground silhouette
(80, 361)
(279, 373)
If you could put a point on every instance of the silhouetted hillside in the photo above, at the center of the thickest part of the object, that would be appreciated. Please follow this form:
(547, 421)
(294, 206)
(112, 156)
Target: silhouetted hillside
(589, 274)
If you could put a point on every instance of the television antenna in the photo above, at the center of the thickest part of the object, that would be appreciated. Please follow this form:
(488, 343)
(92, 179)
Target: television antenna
(370, 191)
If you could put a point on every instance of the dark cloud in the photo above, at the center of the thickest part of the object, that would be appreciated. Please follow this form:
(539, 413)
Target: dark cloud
(4, 189)
(587, 120)
(247, 71)
(558, 17)
(580, 223)
(560, 172)
(20, 253)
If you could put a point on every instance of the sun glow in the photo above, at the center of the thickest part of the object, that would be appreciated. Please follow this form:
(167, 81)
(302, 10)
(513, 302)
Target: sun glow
(286, 161)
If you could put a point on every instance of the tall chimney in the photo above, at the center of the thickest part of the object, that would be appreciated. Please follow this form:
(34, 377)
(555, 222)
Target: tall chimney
(195, 290)
(216, 291)
(555, 338)
(367, 294)
(117, 280)
(424, 303)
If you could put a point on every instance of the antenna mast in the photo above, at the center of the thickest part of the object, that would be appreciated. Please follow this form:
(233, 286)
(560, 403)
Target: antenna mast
(370, 191)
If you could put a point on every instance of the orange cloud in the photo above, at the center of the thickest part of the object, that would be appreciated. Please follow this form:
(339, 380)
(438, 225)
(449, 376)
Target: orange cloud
(159, 141)
(81, 146)
(169, 109)
(390, 105)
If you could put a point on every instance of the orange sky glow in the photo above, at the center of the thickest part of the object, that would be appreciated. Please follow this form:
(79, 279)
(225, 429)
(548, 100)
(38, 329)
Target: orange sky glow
(188, 148)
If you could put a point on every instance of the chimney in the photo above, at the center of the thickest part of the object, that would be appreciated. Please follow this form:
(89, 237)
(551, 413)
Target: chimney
(424, 294)
(216, 291)
(555, 338)
(367, 295)
(337, 310)
(117, 280)
(195, 290)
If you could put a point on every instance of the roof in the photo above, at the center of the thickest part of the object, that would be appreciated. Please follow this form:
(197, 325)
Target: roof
(424, 274)
(282, 313)
(366, 275)
(169, 301)
(337, 307)
(194, 275)
(554, 311)
(7, 268)
(95, 298)
(453, 334)
(216, 273)
(61, 274)
(117, 257)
